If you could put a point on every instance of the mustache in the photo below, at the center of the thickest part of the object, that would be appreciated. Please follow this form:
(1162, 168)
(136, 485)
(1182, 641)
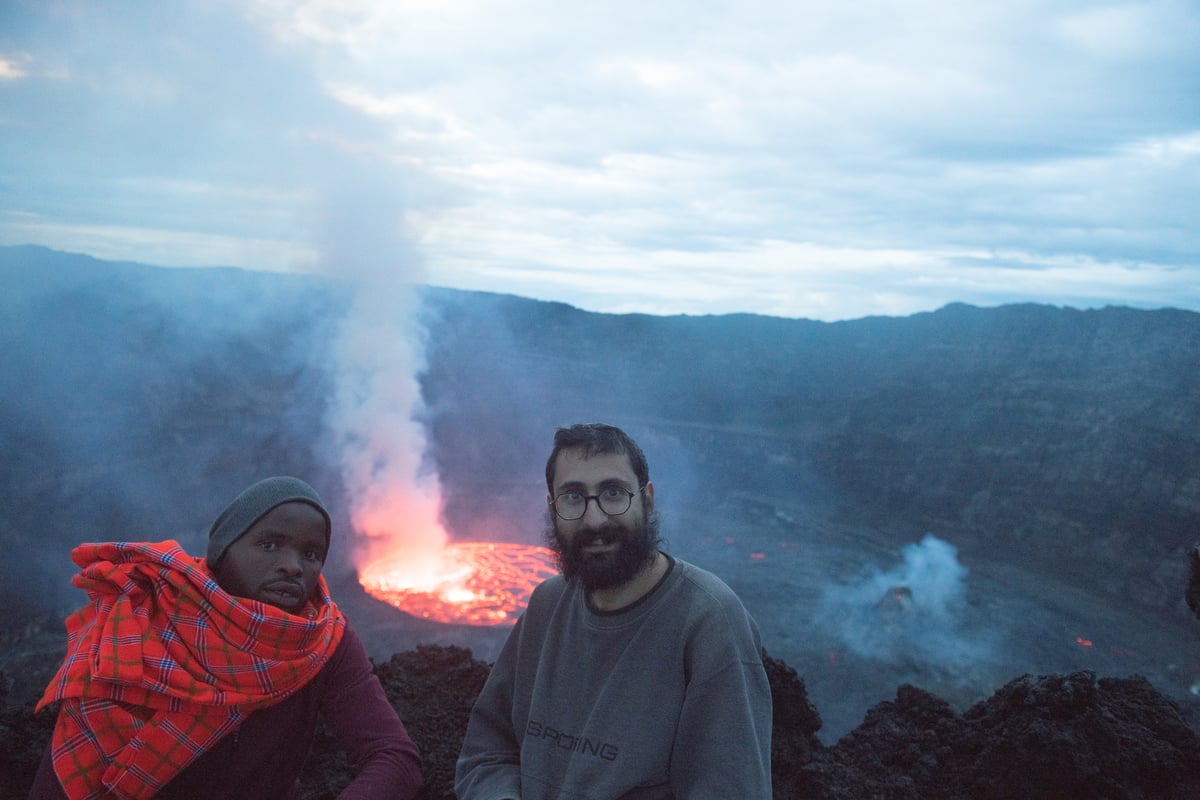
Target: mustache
(604, 533)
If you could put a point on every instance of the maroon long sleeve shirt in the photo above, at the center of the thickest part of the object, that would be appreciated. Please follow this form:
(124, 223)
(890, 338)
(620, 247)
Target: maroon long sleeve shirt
(263, 757)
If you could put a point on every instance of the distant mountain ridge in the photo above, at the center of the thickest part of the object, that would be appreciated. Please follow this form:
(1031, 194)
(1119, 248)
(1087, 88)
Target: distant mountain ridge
(1052, 434)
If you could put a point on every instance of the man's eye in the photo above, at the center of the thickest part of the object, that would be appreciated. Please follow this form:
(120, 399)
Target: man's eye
(612, 492)
(571, 497)
(270, 547)
(314, 555)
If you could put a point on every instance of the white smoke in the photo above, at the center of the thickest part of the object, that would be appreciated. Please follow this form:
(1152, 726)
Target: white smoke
(395, 500)
(914, 614)
(373, 419)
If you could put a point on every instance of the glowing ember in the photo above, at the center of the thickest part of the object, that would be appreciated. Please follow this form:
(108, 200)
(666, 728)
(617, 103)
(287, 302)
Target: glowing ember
(478, 583)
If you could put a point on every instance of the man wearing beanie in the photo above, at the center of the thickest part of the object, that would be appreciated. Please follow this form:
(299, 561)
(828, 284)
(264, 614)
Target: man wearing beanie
(204, 677)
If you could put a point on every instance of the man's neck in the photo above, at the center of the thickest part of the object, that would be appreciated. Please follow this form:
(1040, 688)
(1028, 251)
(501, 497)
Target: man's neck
(637, 587)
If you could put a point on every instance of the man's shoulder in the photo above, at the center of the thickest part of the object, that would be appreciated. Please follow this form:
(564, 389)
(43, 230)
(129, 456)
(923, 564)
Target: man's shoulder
(715, 615)
(349, 658)
(705, 581)
(712, 591)
(350, 637)
(545, 598)
(548, 591)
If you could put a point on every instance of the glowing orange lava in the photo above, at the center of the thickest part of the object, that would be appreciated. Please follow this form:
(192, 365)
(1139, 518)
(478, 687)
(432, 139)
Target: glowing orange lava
(478, 583)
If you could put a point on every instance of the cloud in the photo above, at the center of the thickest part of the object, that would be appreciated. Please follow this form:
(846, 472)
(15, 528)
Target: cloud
(14, 67)
(1125, 32)
(808, 159)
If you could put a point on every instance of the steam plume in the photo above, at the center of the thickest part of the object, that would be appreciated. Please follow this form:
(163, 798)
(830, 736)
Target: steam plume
(373, 420)
(914, 613)
(395, 501)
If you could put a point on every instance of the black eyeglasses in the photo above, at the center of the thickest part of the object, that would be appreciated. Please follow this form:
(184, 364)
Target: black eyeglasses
(612, 500)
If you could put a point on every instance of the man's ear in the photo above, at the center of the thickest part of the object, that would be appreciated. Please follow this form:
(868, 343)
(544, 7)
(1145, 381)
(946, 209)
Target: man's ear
(648, 498)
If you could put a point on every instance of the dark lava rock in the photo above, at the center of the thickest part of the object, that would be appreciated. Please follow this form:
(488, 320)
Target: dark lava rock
(1049, 737)
(903, 749)
(23, 738)
(795, 723)
(1043, 737)
(1058, 736)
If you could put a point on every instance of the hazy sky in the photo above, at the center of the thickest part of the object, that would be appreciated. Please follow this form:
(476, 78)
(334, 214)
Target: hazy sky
(808, 159)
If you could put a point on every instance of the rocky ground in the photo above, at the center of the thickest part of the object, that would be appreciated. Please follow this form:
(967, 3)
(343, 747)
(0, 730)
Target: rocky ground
(1051, 736)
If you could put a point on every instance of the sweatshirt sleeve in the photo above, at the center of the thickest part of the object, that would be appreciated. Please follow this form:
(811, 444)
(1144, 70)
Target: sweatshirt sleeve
(489, 764)
(723, 740)
(367, 726)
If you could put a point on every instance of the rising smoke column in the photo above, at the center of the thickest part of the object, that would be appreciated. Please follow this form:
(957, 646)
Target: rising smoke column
(373, 417)
(395, 498)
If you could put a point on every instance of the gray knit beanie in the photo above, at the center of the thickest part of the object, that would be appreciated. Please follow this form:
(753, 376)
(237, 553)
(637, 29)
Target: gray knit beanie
(252, 504)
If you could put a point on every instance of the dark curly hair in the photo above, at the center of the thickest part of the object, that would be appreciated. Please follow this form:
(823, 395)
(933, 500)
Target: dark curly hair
(597, 439)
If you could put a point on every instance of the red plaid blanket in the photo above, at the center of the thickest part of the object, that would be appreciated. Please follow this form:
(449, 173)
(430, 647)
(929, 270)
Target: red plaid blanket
(163, 663)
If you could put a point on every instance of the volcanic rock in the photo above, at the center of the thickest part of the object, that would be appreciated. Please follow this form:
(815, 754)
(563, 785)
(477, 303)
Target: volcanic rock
(1049, 736)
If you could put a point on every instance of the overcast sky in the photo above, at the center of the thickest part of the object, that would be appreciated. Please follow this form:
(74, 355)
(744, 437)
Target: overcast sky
(827, 160)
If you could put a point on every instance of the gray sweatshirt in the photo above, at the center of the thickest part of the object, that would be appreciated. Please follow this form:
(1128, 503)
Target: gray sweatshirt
(665, 699)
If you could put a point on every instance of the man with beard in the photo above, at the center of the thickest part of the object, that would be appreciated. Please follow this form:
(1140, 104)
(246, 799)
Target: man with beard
(630, 675)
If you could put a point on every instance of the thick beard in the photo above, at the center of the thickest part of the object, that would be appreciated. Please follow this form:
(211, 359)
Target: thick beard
(636, 552)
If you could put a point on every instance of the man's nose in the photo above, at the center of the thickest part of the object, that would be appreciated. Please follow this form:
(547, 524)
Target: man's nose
(593, 511)
(289, 562)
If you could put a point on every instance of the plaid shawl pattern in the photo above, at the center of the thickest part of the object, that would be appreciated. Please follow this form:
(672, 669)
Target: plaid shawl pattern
(163, 663)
